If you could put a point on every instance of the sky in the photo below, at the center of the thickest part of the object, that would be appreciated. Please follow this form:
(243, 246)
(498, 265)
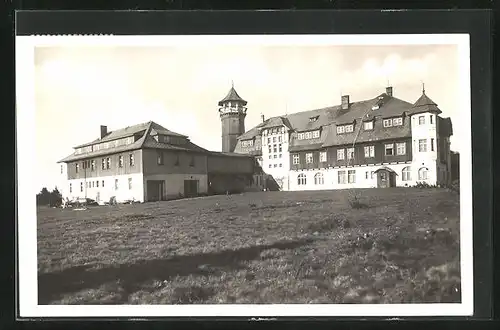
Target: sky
(78, 88)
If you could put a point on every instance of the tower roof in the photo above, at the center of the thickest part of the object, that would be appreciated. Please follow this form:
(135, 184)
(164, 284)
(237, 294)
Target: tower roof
(232, 95)
(424, 104)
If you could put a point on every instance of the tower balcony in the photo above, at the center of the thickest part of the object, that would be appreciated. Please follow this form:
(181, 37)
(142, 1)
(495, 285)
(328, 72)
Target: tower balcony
(235, 110)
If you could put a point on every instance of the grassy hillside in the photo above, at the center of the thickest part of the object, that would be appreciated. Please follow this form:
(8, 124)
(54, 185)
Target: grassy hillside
(400, 245)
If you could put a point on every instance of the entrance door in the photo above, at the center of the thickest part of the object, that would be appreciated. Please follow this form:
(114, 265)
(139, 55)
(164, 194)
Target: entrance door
(155, 189)
(382, 179)
(190, 188)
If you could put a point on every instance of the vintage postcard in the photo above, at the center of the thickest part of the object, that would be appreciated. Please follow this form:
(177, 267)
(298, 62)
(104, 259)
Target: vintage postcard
(249, 175)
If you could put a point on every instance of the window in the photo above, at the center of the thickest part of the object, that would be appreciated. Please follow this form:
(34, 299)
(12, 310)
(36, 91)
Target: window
(275, 148)
(93, 184)
(116, 184)
(279, 138)
(103, 183)
(422, 145)
(421, 120)
(351, 176)
(431, 117)
(274, 139)
(129, 183)
(131, 160)
(191, 163)
(275, 165)
(177, 160)
(92, 165)
(275, 156)
(309, 157)
(340, 154)
(270, 166)
(279, 155)
(432, 144)
(301, 179)
(61, 169)
(300, 136)
(295, 159)
(319, 179)
(81, 186)
(350, 153)
(369, 151)
(368, 125)
(247, 143)
(406, 173)
(397, 121)
(270, 157)
(108, 163)
(280, 147)
(340, 129)
(308, 135)
(341, 177)
(315, 134)
(322, 156)
(367, 175)
(389, 149)
(281, 165)
(103, 164)
(349, 128)
(387, 122)
(268, 140)
(422, 173)
(97, 184)
(159, 158)
(120, 161)
(400, 148)
(70, 188)
(269, 148)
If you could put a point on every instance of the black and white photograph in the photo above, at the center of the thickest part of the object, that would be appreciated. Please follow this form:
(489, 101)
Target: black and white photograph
(217, 175)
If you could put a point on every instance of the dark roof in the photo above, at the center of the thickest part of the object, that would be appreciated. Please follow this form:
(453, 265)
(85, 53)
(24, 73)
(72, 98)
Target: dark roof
(386, 169)
(445, 127)
(232, 95)
(146, 141)
(424, 104)
(327, 119)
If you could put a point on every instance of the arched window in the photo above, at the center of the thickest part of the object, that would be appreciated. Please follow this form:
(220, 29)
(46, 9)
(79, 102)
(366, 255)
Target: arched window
(422, 173)
(407, 173)
(301, 179)
(319, 179)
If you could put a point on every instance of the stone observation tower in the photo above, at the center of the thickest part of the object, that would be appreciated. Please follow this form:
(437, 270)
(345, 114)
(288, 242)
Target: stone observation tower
(232, 110)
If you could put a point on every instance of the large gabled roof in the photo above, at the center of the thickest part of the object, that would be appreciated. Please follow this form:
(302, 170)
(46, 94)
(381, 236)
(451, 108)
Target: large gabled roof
(147, 130)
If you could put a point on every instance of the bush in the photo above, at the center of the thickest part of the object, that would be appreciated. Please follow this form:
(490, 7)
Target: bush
(455, 186)
(424, 185)
(355, 202)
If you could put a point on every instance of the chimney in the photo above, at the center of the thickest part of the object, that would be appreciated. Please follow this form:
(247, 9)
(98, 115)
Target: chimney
(345, 102)
(388, 90)
(262, 117)
(104, 131)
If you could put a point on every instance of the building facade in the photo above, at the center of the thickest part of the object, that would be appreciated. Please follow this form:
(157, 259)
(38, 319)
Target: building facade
(148, 162)
(380, 142)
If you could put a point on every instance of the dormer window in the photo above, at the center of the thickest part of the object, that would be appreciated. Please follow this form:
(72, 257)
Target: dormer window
(345, 129)
(313, 119)
(308, 135)
(368, 125)
(393, 122)
(247, 143)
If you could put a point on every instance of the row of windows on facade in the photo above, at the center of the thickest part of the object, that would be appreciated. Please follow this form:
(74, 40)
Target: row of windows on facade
(273, 131)
(275, 165)
(105, 163)
(275, 148)
(348, 128)
(369, 151)
(349, 176)
(390, 122)
(161, 161)
(95, 184)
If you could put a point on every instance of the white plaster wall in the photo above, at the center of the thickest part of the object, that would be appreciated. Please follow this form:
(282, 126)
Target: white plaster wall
(428, 158)
(279, 173)
(175, 182)
(105, 193)
(361, 181)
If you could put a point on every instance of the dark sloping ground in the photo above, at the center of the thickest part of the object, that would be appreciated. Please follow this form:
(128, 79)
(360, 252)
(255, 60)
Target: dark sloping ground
(401, 245)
